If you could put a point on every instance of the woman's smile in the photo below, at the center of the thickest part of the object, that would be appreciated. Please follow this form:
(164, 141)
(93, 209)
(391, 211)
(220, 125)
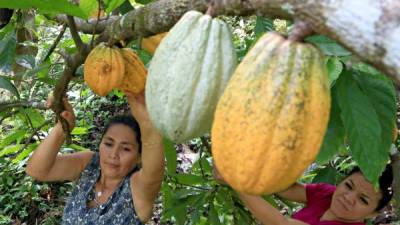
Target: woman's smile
(343, 204)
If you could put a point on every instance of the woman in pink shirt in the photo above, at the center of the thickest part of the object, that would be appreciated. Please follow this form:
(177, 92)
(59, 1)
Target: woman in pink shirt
(351, 202)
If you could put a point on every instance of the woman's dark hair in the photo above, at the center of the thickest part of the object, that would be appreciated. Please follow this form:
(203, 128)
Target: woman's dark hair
(385, 185)
(129, 121)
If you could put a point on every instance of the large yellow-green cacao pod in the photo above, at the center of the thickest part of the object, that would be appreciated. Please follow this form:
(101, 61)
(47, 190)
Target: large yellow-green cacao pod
(104, 69)
(271, 120)
(135, 72)
(188, 74)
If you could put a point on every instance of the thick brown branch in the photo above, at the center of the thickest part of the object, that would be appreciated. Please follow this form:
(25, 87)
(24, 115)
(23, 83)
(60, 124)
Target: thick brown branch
(369, 29)
(61, 88)
(300, 31)
(89, 27)
(74, 33)
(154, 18)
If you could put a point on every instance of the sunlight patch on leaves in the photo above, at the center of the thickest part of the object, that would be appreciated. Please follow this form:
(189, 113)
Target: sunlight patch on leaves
(45, 6)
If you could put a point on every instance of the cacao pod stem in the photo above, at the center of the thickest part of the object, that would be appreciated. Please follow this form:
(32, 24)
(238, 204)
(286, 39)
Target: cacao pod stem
(300, 30)
(211, 11)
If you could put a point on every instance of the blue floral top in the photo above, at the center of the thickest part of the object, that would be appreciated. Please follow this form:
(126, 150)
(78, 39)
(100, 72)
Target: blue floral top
(118, 209)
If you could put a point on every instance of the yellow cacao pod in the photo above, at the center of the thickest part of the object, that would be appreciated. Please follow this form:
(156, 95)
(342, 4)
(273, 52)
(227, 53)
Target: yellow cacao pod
(395, 133)
(151, 43)
(96, 14)
(135, 72)
(104, 69)
(272, 117)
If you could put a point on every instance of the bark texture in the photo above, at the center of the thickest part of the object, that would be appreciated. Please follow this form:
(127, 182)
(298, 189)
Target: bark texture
(368, 28)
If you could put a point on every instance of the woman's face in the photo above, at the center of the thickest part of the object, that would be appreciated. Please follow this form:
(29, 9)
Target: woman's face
(119, 151)
(355, 199)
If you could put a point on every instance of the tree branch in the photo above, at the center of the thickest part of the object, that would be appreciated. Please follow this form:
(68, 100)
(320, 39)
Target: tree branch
(368, 28)
(34, 132)
(75, 35)
(89, 27)
(55, 43)
(23, 103)
(61, 88)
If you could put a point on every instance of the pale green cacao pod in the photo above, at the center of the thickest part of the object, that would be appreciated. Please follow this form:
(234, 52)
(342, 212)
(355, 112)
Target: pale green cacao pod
(188, 74)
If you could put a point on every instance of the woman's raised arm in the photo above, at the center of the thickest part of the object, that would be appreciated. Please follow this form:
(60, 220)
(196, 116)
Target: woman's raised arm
(46, 165)
(147, 182)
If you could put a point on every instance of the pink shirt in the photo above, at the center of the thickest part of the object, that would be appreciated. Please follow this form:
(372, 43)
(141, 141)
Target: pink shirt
(319, 198)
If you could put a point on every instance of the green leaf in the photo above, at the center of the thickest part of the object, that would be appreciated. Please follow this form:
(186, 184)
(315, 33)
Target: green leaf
(44, 66)
(10, 150)
(263, 25)
(79, 130)
(145, 56)
(143, 2)
(13, 137)
(244, 216)
(213, 215)
(270, 199)
(224, 196)
(7, 52)
(167, 196)
(362, 126)
(334, 136)
(112, 4)
(178, 210)
(198, 200)
(180, 204)
(25, 153)
(381, 93)
(78, 147)
(7, 85)
(195, 216)
(25, 61)
(170, 155)
(35, 117)
(326, 175)
(205, 165)
(46, 6)
(126, 7)
(189, 179)
(335, 68)
(89, 6)
(327, 45)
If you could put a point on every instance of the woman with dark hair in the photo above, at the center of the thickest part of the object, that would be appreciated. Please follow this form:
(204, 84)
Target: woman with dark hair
(351, 202)
(110, 187)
